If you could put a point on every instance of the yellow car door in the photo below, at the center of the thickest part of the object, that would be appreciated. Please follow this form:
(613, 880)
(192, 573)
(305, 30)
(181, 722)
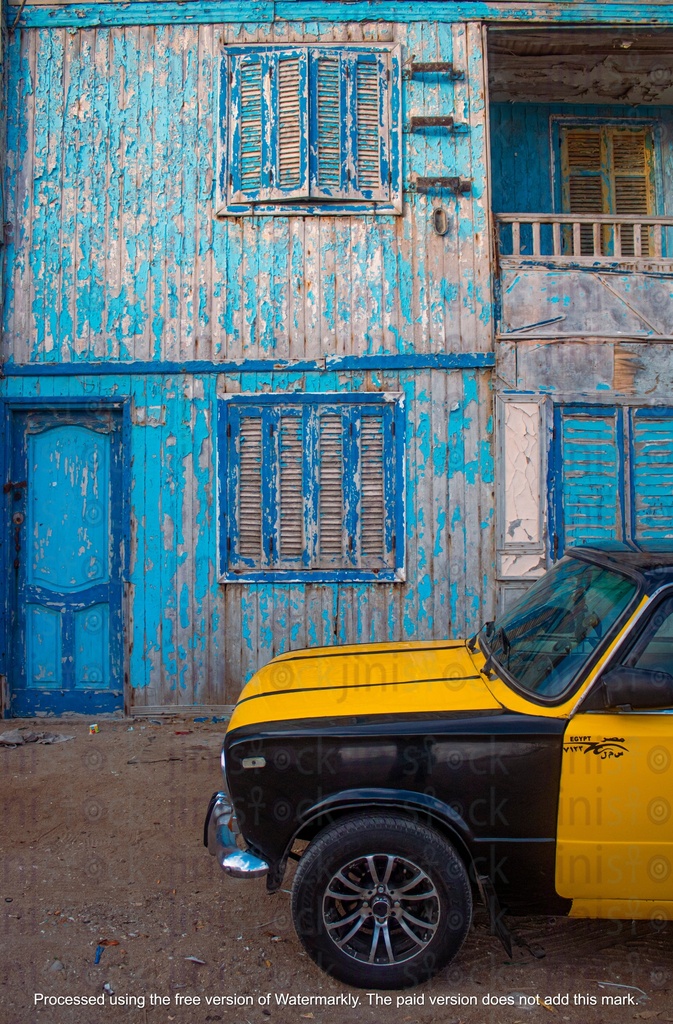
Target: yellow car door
(615, 817)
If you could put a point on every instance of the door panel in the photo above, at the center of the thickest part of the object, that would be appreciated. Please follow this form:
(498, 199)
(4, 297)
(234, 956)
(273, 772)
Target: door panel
(67, 627)
(615, 825)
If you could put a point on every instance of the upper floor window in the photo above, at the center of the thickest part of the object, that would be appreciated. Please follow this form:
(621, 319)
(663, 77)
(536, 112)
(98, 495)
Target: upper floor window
(312, 487)
(310, 129)
(608, 169)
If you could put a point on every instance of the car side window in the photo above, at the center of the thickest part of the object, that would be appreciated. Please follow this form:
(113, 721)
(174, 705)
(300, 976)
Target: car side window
(653, 651)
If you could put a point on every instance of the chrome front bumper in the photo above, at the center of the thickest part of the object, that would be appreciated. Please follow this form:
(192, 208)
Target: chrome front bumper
(220, 838)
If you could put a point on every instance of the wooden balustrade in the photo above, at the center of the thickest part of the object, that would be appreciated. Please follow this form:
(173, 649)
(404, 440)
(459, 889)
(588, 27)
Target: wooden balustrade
(584, 238)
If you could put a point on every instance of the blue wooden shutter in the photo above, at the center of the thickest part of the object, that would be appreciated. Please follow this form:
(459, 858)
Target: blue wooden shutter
(368, 79)
(652, 474)
(312, 484)
(268, 125)
(291, 490)
(330, 536)
(246, 150)
(290, 142)
(349, 124)
(245, 486)
(376, 471)
(587, 473)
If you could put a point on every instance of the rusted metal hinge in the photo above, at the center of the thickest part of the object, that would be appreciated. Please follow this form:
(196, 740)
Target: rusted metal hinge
(439, 184)
(12, 485)
(432, 67)
(416, 123)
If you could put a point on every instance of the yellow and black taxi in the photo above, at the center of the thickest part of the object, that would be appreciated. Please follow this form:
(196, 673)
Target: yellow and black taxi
(530, 767)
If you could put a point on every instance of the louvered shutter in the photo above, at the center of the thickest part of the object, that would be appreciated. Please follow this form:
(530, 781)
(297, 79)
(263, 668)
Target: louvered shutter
(246, 491)
(608, 170)
(268, 126)
(652, 470)
(632, 193)
(369, 175)
(590, 476)
(331, 533)
(328, 114)
(312, 484)
(584, 186)
(372, 489)
(246, 170)
(291, 490)
(349, 156)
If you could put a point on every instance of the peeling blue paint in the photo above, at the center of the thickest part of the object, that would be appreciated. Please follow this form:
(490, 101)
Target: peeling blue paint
(136, 289)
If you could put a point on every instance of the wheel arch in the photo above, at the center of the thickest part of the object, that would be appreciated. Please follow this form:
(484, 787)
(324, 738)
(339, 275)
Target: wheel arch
(413, 806)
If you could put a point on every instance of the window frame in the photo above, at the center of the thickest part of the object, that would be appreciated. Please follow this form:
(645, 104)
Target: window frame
(559, 122)
(316, 204)
(230, 408)
(635, 462)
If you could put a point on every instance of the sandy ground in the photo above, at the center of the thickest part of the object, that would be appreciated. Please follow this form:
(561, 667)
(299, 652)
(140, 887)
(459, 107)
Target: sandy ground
(102, 842)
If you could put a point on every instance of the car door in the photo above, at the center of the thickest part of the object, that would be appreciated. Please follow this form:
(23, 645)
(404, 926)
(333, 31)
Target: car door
(615, 817)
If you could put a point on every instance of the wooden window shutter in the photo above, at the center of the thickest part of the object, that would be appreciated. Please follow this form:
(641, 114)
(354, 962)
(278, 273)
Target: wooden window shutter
(291, 491)
(312, 484)
(289, 117)
(372, 489)
(608, 169)
(583, 167)
(583, 181)
(246, 134)
(631, 172)
(330, 470)
(590, 477)
(632, 183)
(328, 115)
(268, 126)
(652, 470)
(349, 158)
(369, 110)
(250, 499)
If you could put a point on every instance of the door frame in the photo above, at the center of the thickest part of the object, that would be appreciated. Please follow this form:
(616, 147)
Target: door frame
(10, 409)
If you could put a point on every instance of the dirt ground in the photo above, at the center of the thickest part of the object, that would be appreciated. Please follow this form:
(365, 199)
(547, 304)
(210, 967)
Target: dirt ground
(102, 843)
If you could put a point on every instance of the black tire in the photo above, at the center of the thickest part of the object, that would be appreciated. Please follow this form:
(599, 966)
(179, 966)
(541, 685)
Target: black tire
(345, 909)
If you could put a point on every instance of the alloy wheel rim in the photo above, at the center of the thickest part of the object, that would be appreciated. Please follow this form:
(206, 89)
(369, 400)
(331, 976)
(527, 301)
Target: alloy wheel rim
(381, 909)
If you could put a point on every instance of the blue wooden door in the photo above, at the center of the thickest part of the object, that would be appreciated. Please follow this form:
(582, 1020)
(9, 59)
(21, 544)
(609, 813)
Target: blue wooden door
(66, 509)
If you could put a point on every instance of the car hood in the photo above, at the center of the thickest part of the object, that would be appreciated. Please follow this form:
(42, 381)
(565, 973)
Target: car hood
(337, 682)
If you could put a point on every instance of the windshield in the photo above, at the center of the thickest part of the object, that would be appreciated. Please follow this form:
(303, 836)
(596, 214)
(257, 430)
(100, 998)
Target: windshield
(547, 638)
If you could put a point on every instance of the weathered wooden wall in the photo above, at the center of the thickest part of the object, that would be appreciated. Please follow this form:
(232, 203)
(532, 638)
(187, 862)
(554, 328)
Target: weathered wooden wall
(192, 640)
(117, 254)
(117, 257)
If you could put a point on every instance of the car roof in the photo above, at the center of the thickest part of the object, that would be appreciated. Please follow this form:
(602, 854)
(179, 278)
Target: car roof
(653, 562)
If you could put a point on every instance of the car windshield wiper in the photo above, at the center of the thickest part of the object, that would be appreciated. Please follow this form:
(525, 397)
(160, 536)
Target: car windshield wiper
(501, 635)
(486, 629)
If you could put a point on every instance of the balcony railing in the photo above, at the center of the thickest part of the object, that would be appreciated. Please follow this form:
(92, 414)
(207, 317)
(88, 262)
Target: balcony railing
(583, 239)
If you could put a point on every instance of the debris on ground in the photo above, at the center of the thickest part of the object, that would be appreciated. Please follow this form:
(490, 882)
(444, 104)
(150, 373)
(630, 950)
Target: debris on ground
(642, 998)
(17, 737)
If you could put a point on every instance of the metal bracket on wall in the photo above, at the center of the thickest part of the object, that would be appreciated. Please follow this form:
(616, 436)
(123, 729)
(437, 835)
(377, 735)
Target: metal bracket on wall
(456, 185)
(443, 121)
(432, 67)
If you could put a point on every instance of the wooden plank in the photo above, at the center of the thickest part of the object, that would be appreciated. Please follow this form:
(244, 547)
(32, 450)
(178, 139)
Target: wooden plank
(18, 294)
(441, 531)
(42, 13)
(207, 342)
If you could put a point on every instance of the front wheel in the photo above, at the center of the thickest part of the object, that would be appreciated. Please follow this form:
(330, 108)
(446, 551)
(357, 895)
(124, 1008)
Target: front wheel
(381, 902)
